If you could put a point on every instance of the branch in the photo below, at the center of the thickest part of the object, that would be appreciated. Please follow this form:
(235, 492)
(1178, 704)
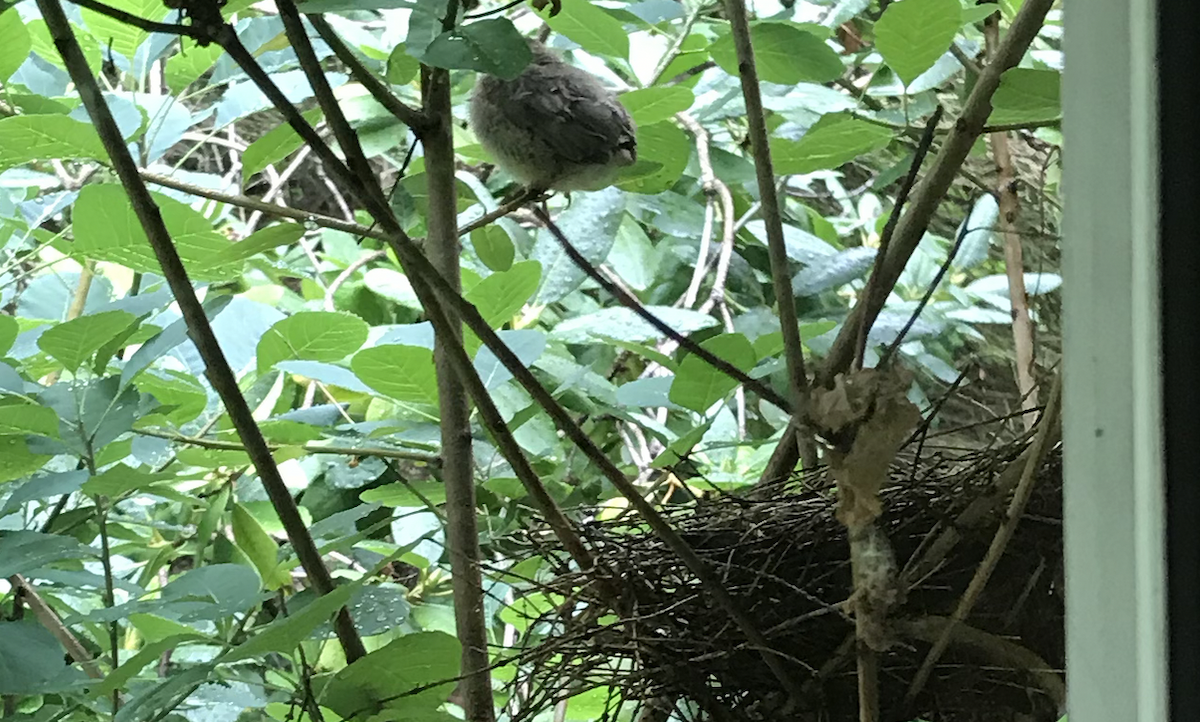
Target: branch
(773, 220)
(219, 373)
(372, 451)
(1016, 508)
(462, 528)
(632, 304)
(930, 191)
(136, 21)
(411, 117)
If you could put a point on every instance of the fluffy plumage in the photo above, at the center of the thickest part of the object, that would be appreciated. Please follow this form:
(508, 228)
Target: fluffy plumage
(553, 127)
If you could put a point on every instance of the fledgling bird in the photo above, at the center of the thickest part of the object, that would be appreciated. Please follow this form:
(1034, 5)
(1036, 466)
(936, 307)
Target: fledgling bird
(554, 126)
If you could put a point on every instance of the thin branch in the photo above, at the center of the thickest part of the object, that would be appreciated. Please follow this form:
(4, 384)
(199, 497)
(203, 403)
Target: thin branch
(217, 368)
(411, 117)
(875, 289)
(1016, 508)
(139, 22)
(773, 220)
(462, 529)
(632, 304)
(1014, 265)
(932, 188)
(311, 448)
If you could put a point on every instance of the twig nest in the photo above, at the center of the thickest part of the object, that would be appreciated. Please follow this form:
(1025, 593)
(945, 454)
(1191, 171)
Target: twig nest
(554, 126)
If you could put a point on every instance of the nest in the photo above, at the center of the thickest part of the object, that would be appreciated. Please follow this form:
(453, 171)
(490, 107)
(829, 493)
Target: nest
(783, 557)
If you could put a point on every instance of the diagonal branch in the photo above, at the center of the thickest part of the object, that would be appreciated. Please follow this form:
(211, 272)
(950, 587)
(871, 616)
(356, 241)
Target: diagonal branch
(773, 220)
(219, 373)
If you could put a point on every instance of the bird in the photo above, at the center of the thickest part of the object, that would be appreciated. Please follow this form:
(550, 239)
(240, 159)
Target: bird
(554, 126)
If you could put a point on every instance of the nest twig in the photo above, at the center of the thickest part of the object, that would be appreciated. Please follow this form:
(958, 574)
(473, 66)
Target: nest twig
(782, 554)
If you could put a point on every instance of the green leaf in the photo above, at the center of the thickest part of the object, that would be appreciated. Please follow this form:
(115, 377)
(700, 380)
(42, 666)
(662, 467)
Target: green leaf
(591, 225)
(259, 547)
(595, 30)
(107, 229)
(698, 385)
(834, 140)
(73, 342)
(122, 479)
(402, 494)
(664, 145)
(119, 35)
(16, 460)
(913, 34)
(491, 46)
(501, 295)
(26, 417)
(277, 144)
(426, 661)
(192, 61)
(651, 105)
(9, 328)
(15, 43)
(129, 668)
(401, 67)
(404, 373)
(26, 138)
(622, 324)
(261, 241)
(1026, 95)
(311, 336)
(21, 551)
(286, 633)
(784, 54)
(31, 659)
(154, 628)
(973, 13)
(494, 247)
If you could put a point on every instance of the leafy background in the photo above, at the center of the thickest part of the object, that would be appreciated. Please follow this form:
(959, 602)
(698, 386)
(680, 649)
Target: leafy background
(125, 496)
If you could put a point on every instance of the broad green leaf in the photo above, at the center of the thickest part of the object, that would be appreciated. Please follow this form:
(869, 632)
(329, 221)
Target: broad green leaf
(224, 588)
(1026, 95)
(259, 547)
(277, 144)
(311, 336)
(9, 328)
(624, 325)
(595, 30)
(21, 551)
(106, 229)
(912, 34)
(167, 339)
(664, 145)
(285, 633)
(151, 652)
(651, 105)
(122, 479)
(31, 659)
(16, 460)
(833, 272)
(698, 385)
(401, 67)
(426, 661)
(784, 54)
(15, 43)
(186, 66)
(502, 295)
(491, 46)
(494, 247)
(25, 417)
(122, 37)
(590, 224)
(406, 494)
(73, 342)
(834, 140)
(154, 628)
(26, 138)
(261, 241)
(404, 373)
(972, 13)
(43, 46)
